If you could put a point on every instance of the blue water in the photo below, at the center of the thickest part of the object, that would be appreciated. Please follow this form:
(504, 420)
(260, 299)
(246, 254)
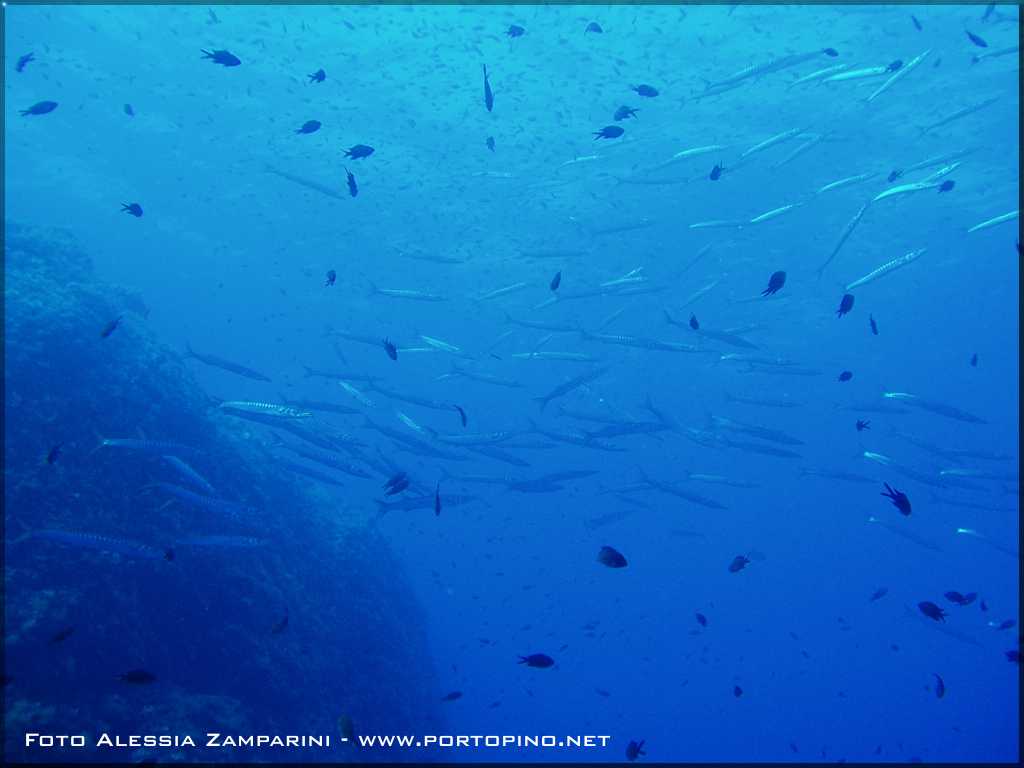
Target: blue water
(244, 217)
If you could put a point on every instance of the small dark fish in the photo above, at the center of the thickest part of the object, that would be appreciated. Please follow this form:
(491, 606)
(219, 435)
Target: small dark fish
(40, 108)
(110, 327)
(347, 728)
(899, 499)
(213, 17)
(845, 304)
(830, 52)
(133, 209)
(22, 61)
(983, 605)
(331, 277)
(917, 23)
(358, 151)
(845, 375)
(956, 597)
(280, 625)
(462, 414)
(137, 677)
(317, 77)
(353, 189)
(634, 749)
(437, 500)
(538, 660)
(514, 30)
(1008, 624)
(894, 66)
(556, 281)
(940, 687)
(1013, 657)
(716, 172)
(702, 619)
(391, 349)
(863, 424)
(895, 174)
(878, 594)
(608, 132)
(62, 635)
(490, 143)
(226, 58)
(624, 113)
(694, 322)
(128, 110)
(874, 325)
(648, 91)
(969, 598)
(452, 696)
(974, 360)
(988, 11)
(51, 457)
(738, 564)
(775, 283)
(593, 27)
(488, 93)
(737, 691)
(611, 557)
(946, 186)
(310, 126)
(976, 40)
(395, 479)
(932, 611)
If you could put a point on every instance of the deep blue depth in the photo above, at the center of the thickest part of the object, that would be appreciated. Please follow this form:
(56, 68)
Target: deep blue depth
(247, 205)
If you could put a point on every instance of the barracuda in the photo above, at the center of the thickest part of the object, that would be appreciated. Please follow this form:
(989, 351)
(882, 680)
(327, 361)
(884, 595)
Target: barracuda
(486, 378)
(264, 409)
(410, 423)
(221, 506)
(847, 231)
(328, 459)
(886, 268)
(1011, 216)
(939, 408)
(817, 75)
(905, 189)
(159, 447)
(404, 293)
(190, 475)
(359, 396)
(757, 70)
(573, 357)
(774, 213)
(503, 291)
(846, 182)
(442, 345)
(960, 113)
(856, 74)
(719, 224)
(640, 343)
(98, 541)
(900, 73)
(771, 142)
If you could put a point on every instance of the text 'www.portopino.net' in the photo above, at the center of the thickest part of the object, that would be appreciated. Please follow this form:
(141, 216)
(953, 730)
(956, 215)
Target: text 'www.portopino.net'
(448, 741)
